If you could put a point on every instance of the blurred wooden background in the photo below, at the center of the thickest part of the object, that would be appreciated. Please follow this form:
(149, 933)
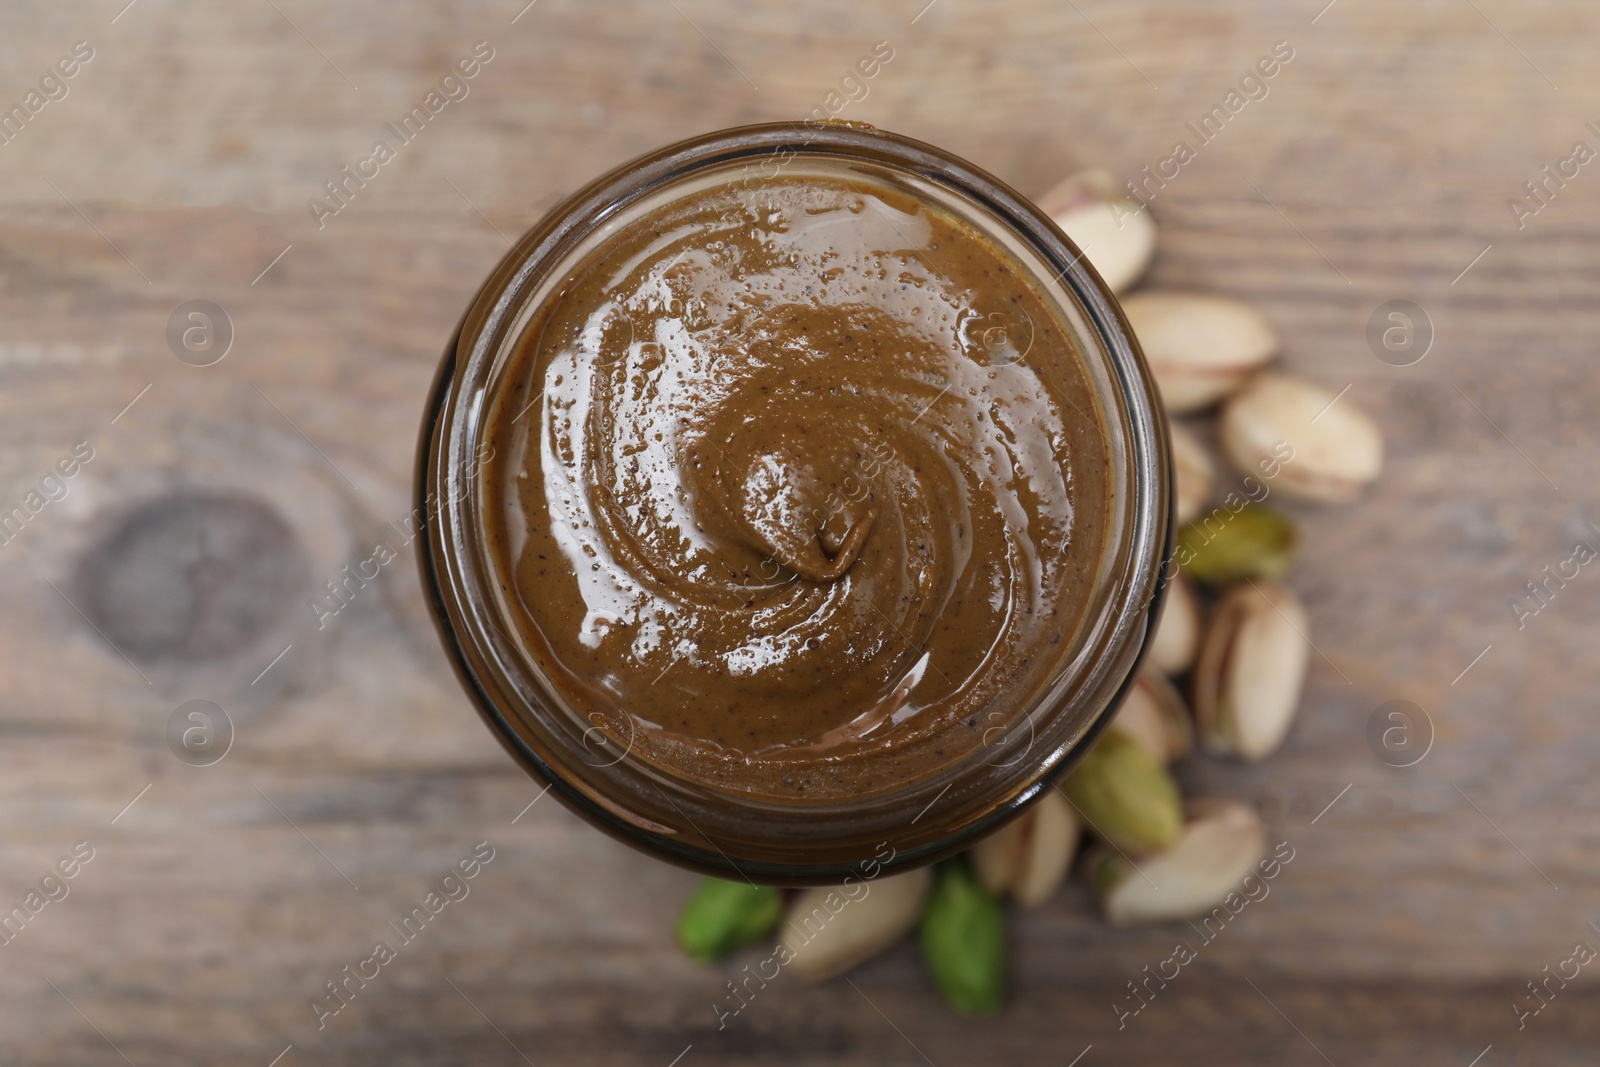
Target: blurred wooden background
(177, 168)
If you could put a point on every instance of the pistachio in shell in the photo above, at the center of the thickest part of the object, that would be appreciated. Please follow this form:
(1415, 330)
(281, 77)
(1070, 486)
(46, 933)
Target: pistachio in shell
(1192, 472)
(1028, 858)
(1251, 669)
(1221, 843)
(1199, 347)
(1154, 714)
(1177, 637)
(830, 929)
(1116, 235)
(1317, 444)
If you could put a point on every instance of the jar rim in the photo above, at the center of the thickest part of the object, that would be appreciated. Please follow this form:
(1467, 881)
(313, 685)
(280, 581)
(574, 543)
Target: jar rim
(772, 842)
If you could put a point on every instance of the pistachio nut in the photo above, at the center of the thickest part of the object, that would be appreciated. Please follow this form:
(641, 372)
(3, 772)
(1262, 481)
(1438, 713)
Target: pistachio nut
(1221, 844)
(723, 915)
(1177, 635)
(1028, 858)
(963, 939)
(1199, 347)
(1154, 714)
(1125, 795)
(1227, 546)
(1319, 444)
(1192, 472)
(830, 929)
(1115, 234)
(1252, 666)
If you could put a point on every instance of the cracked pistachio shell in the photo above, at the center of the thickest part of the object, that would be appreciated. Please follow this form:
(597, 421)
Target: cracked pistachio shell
(830, 929)
(1200, 347)
(1337, 448)
(1028, 858)
(1116, 235)
(1251, 669)
(1221, 843)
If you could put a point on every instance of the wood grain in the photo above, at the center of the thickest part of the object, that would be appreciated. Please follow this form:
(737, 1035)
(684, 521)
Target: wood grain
(177, 168)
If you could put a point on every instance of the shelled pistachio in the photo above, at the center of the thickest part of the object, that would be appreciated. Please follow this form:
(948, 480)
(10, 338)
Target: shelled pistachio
(1125, 795)
(1229, 546)
(723, 915)
(963, 937)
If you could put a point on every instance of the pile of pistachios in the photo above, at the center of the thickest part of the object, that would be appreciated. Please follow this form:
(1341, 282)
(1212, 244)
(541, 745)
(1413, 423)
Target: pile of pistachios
(1230, 634)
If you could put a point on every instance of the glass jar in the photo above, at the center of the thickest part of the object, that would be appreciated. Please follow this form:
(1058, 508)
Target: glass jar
(690, 822)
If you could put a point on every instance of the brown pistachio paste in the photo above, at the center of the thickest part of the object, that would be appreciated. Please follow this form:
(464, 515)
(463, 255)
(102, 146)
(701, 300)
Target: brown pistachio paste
(798, 488)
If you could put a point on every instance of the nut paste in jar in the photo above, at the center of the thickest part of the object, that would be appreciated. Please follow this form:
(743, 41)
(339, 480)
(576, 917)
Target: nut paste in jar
(798, 487)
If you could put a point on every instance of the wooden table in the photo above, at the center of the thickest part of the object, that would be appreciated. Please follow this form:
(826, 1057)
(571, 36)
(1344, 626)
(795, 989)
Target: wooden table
(216, 906)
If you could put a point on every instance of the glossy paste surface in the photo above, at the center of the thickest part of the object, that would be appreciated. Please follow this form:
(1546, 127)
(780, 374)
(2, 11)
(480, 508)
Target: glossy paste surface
(799, 487)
